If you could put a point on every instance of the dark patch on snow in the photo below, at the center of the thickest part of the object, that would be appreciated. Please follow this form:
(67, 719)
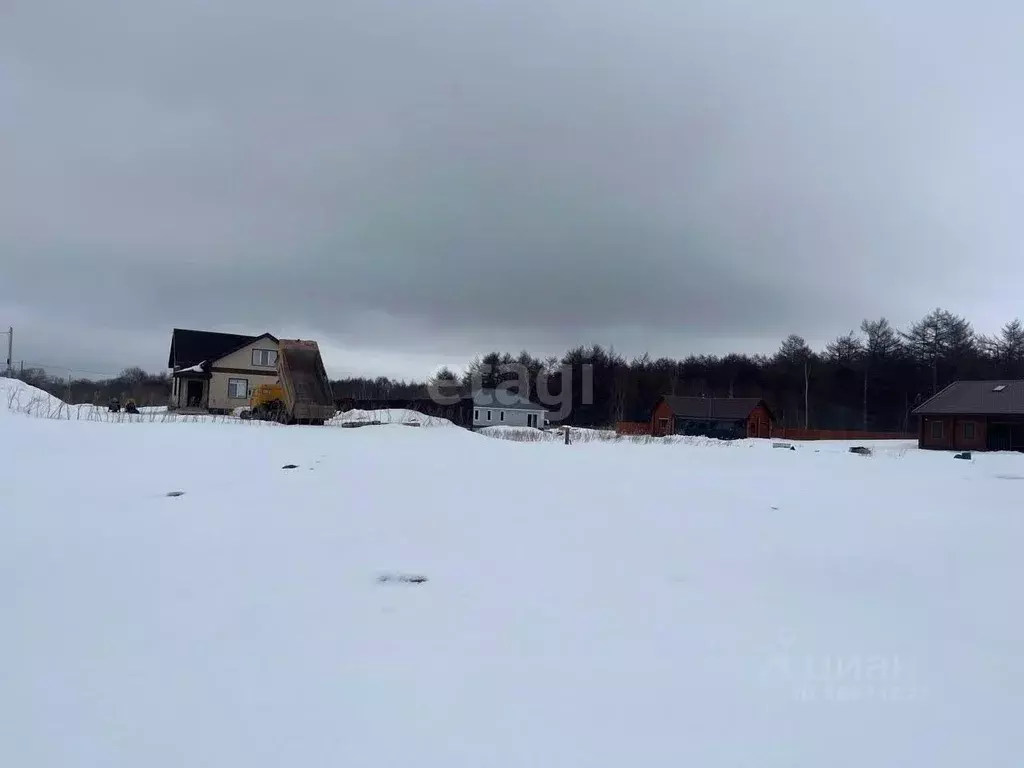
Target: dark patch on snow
(401, 578)
(861, 450)
(1009, 477)
(175, 493)
(290, 466)
(964, 455)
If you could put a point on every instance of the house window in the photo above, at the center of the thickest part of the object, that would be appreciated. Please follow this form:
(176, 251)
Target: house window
(502, 415)
(663, 425)
(238, 389)
(936, 429)
(488, 415)
(968, 430)
(264, 357)
(476, 414)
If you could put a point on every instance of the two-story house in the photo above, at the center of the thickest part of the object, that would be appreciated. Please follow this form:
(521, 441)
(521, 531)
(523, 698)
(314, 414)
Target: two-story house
(215, 372)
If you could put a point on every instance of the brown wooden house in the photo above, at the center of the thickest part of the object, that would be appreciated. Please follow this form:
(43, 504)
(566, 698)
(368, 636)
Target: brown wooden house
(973, 416)
(728, 418)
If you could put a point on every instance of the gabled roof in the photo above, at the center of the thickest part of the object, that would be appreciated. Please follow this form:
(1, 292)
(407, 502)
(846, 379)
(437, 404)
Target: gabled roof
(245, 344)
(189, 347)
(976, 398)
(506, 398)
(715, 408)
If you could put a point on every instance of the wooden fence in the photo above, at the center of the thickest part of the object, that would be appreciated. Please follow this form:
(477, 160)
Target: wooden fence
(633, 427)
(799, 433)
(787, 433)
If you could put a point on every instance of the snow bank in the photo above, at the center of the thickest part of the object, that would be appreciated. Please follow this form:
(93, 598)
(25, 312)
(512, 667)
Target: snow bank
(583, 435)
(405, 416)
(18, 397)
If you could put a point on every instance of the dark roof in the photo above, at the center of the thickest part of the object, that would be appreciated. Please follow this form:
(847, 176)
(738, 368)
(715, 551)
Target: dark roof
(505, 398)
(976, 398)
(723, 408)
(190, 347)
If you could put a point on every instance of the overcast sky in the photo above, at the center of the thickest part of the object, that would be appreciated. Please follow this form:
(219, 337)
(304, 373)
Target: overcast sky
(411, 183)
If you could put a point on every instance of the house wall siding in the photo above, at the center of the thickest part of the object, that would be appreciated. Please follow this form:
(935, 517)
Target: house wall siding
(219, 395)
(953, 437)
(513, 417)
(928, 438)
(662, 420)
(240, 366)
(980, 439)
(759, 423)
(242, 358)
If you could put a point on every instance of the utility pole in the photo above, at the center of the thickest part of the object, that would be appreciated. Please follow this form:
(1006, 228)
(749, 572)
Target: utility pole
(10, 349)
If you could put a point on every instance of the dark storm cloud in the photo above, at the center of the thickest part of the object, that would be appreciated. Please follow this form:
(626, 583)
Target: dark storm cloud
(438, 179)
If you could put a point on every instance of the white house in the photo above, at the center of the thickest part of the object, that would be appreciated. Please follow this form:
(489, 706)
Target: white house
(504, 407)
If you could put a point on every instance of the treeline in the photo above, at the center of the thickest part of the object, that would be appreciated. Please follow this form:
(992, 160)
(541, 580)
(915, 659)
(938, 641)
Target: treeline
(870, 378)
(146, 388)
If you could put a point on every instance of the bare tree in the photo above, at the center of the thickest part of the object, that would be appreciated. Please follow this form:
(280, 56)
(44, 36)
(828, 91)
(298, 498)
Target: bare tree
(939, 336)
(795, 352)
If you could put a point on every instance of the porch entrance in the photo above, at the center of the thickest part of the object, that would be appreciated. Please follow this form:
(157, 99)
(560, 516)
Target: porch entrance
(193, 393)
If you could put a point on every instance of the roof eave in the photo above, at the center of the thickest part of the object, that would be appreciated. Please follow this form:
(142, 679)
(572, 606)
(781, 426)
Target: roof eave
(918, 410)
(170, 352)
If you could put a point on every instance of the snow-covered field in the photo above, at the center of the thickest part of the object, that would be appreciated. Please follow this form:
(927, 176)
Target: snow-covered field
(601, 604)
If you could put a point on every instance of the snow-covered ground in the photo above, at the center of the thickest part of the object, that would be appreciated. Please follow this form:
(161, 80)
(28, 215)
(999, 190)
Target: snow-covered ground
(603, 604)
(577, 435)
(20, 398)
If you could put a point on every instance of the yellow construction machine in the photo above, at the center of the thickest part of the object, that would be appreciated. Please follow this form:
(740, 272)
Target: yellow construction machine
(266, 403)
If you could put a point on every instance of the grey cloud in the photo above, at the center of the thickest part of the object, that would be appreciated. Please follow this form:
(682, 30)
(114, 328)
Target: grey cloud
(443, 178)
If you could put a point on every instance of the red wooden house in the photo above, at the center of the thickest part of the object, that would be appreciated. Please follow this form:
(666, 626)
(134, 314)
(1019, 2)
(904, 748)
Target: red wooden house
(729, 418)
